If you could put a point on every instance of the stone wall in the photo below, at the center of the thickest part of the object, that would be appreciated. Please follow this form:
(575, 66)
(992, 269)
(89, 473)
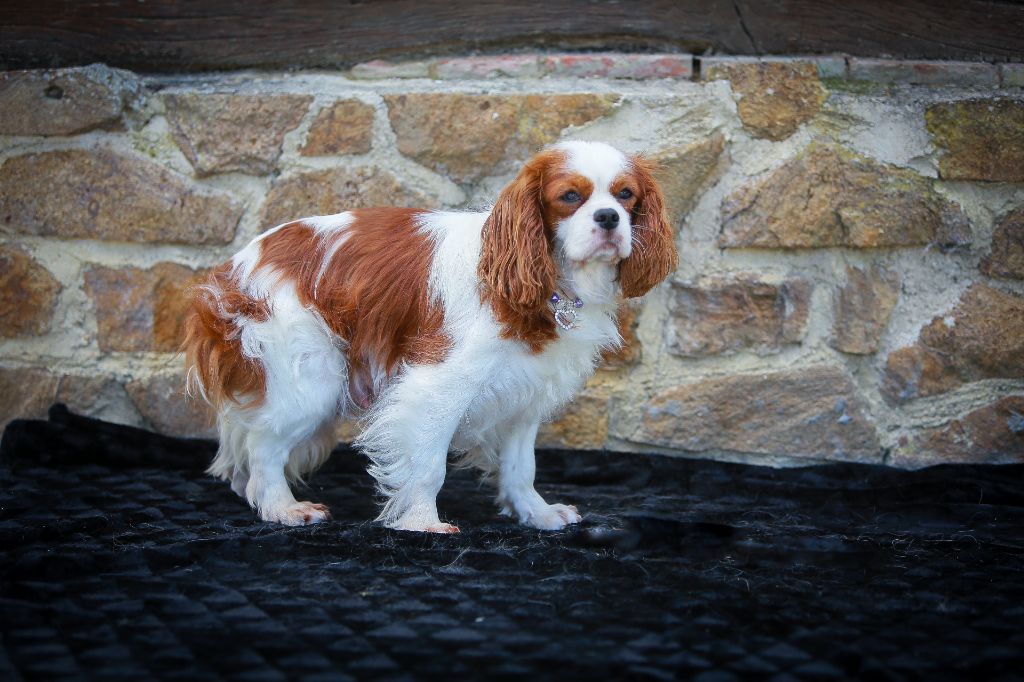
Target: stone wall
(851, 233)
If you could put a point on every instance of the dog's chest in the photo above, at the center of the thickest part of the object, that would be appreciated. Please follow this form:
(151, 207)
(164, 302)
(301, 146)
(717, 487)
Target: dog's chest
(535, 385)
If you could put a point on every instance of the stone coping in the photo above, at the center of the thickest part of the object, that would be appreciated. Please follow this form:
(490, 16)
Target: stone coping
(679, 66)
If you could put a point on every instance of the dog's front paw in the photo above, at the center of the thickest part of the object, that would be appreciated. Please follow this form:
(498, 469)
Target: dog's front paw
(297, 514)
(552, 516)
(439, 527)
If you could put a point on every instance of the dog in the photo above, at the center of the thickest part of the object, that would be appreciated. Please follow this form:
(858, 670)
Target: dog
(442, 331)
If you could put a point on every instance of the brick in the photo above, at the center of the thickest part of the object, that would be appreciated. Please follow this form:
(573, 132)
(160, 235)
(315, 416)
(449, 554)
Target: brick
(467, 137)
(981, 139)
(1011, 75)
(982, 337)
(683, 172)
(616, 65)
(993, 434)
(721, 315)
(345, 127)
(813, 412)
(500, 66)
(28, 294)
(220, 133)
(380, 69)
(334, 190)
(911, 72)
(830, 67)
(862, 309)
(141, 310)
(1006, 258)
(64, 101)
(162, 402)
(103, 194)
(775, 98)
(830, 196)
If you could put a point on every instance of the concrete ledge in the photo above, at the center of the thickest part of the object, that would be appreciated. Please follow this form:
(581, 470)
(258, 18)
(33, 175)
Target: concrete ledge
(561, 65)
(924, 72)
(689, 67)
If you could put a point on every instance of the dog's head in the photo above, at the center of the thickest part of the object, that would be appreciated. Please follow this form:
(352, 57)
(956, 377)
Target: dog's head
(572, 206)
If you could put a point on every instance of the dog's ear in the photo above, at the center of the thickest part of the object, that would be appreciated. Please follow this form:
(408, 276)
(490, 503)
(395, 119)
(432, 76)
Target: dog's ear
(654, 251)
(517, 267)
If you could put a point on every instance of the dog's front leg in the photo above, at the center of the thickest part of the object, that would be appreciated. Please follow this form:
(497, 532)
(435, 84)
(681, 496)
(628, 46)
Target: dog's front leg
(517, 468)
(407, 436)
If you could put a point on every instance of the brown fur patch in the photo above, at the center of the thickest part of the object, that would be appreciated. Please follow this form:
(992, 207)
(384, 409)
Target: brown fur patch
(373, 293)
(516, 264)
(654, 251)
(212, 343)
(626, 181)
(556, 184)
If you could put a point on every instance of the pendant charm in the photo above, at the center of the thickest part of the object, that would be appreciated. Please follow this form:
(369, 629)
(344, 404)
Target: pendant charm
(566, 318)
(566, 314)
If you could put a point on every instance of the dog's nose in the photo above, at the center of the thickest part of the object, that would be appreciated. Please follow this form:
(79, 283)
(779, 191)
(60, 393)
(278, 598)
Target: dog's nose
(606, 218)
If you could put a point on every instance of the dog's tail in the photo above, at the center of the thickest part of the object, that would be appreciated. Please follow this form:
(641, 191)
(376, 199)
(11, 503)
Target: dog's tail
(217, 368)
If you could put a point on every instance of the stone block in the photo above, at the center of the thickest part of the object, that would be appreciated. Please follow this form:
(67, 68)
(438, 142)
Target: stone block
(220, 133)
(980, 139)
(103, 194)
(862, 309)
(830, 196)
(813, 412)
(380, 69)
(25, 393)
(682, 172)
(618, 65)
(993, 434)
(64, 101)
(775, 97)
(28, 294)
(982, 337)
(141, 310)
(345, 127)
(334, 190)
(582, 424)
(1011, 75)
(725, 315)
(830, 67)
(485, 66)
(911, 72)
(28, 393)
(467, 136)
(99, 396)
(1006, 259)
(162, 401)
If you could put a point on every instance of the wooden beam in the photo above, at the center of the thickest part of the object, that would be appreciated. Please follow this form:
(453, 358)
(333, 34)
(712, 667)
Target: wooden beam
(175, 35)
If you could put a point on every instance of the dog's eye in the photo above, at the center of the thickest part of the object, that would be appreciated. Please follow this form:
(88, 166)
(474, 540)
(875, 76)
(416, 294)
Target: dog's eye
(625, 193)
(571, 197)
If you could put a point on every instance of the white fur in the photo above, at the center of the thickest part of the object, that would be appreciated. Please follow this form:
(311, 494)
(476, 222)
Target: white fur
(486, 399)
(580, 235)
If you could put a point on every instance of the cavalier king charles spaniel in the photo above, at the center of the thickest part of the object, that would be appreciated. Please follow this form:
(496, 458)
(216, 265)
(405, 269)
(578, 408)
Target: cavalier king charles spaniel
(442, 331)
